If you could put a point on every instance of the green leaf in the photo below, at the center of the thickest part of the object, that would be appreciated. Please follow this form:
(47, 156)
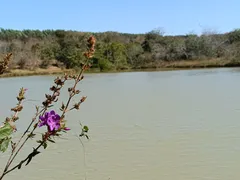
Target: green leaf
(45, 145)
(37, 108)
(20, 165)
(85, 129)
(52, 141)
(29, 160)
(4, 144)
(39, 141)
(31, 135)
(87, 136)
(5, 131)
(30, 156)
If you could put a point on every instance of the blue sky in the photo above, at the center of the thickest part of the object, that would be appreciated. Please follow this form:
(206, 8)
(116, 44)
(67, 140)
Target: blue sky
(128, 16)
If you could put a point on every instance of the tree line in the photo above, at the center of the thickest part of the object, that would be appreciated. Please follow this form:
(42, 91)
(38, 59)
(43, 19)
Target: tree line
(115, 51)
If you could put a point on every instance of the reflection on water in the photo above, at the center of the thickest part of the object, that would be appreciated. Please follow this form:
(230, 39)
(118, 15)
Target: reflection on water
(181, 125)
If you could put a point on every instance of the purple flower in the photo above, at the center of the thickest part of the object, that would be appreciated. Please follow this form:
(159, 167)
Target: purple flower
(67, 129)
(51, 120)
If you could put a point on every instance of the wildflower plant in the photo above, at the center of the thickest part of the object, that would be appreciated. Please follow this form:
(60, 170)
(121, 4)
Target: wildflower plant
(54, 123)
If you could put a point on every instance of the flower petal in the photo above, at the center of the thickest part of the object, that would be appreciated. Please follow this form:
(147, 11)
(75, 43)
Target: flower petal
(51, 126)
(67, 129)
(41, 118)
(57, 117)
(41, 124)
(52, 112)
(57, 126)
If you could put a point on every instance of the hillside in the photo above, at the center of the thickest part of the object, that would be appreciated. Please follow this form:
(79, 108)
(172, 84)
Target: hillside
(34, 49)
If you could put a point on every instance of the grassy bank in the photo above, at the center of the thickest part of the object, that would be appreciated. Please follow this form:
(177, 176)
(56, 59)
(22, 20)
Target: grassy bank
(177, 65)
(213, 63)
(184, 64)
(25, 72)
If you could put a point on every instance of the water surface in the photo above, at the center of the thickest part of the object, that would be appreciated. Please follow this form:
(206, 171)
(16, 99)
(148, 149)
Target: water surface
(176, 125)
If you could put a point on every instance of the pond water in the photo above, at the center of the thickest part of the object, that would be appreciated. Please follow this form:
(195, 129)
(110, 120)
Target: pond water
(172, 125)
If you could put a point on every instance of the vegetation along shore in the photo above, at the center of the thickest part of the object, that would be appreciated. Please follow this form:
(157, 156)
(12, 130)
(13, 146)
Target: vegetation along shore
(45, 52)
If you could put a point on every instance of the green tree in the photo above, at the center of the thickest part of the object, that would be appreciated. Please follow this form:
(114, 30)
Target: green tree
(133, 51)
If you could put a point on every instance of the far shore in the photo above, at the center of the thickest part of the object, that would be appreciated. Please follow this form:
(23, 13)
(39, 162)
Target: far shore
(176, 65)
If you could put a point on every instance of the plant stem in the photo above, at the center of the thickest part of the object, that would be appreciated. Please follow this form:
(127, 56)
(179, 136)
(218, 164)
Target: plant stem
(74, 87)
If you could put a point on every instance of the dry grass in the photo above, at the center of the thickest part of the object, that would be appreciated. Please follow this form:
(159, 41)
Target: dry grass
(39, 71)
(176, 65)
(200, 64)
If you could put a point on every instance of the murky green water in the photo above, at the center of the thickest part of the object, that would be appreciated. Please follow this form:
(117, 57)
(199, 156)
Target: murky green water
(178, 125)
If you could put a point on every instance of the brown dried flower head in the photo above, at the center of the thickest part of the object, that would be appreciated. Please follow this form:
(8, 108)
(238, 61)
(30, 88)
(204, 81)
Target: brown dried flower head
(91, 45)
(4, 64)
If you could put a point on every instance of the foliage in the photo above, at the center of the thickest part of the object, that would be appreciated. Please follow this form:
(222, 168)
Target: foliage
(5, 131)
(115, 50)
